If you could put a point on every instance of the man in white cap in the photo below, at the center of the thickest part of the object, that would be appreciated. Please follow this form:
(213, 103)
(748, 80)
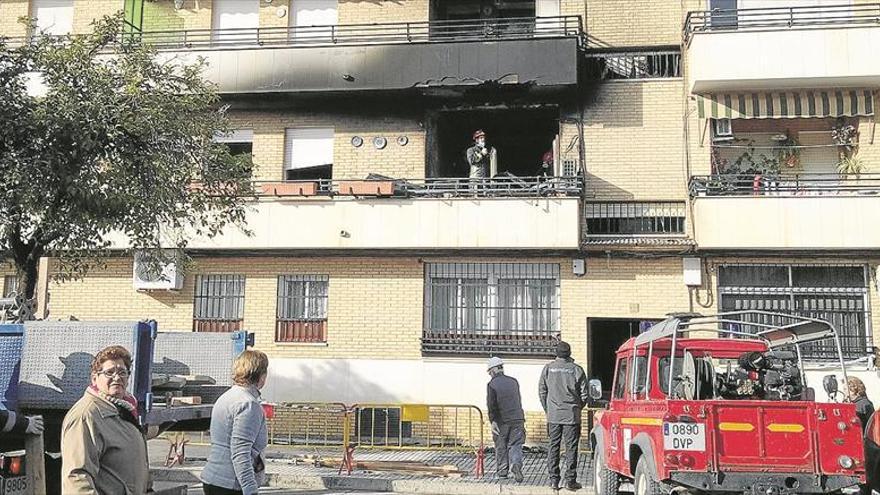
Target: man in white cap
(507, 418)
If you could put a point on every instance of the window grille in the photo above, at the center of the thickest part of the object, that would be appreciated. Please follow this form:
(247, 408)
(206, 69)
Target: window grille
(10, 285)
(218, 303)
(635, 218)
(301, 314)
(837, 294)
(491, 308)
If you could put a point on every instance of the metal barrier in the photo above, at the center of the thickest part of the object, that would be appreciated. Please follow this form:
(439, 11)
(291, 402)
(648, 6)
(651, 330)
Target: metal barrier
(418, 426)
(308, 424)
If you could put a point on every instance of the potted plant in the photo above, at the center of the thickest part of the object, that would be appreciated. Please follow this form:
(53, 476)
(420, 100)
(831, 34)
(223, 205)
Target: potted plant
(788, 150)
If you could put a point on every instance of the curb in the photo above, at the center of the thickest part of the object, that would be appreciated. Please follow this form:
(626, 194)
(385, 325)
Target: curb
(409, 486)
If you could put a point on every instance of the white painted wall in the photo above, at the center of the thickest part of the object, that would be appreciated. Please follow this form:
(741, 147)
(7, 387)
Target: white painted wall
(801, 222)
(550, 223)
(426, 381)
(784, 58)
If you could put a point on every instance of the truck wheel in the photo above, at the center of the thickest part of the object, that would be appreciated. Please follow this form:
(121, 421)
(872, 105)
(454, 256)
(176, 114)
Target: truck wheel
(605, 481)
(644, 482)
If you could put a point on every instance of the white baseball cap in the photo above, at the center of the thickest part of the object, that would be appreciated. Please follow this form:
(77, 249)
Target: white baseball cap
(494, 362)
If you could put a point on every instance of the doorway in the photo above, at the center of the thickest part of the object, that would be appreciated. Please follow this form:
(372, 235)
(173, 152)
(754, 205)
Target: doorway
(605, 336)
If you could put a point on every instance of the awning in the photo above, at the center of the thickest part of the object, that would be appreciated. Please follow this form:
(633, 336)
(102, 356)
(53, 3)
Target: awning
(787, 104)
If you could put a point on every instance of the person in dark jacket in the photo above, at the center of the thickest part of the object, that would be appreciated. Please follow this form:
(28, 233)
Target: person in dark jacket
(19, 424)
(507, 418)
(563, 392)
(858, 396)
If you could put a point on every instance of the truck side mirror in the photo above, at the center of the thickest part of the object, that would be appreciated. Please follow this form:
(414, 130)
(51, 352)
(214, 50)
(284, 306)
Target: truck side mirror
(594, 389)
(829, 383)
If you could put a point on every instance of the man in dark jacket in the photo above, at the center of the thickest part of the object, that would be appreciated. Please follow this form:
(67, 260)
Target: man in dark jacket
(507, 418)
(563, 392)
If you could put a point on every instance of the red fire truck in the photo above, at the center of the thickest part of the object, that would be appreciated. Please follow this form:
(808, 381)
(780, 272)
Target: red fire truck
(720, 403)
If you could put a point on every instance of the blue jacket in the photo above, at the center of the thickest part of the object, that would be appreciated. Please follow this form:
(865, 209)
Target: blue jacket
(238, 438)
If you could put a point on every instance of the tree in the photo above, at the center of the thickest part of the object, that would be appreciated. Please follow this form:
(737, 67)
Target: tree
(116, 142)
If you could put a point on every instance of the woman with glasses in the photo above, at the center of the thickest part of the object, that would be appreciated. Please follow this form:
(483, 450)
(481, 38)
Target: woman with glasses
(103, 448)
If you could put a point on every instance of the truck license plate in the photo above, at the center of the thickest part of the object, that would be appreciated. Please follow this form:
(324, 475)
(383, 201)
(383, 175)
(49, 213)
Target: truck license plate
(16, 485)
(684, 436)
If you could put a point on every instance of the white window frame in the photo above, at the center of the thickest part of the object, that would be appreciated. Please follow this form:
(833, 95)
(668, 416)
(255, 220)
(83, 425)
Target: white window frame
(292, 162)
(53, 11)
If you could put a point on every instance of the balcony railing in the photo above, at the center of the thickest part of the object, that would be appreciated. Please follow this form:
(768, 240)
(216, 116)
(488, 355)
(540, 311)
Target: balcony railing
(781, 18)
(634, 218)
(634, 64)
(456, 342)
(784, 185)
(377, 186)
(367, 34)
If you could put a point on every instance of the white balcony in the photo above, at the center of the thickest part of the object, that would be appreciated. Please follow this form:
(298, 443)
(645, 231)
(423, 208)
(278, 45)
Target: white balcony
(787, 215)
(783, 48)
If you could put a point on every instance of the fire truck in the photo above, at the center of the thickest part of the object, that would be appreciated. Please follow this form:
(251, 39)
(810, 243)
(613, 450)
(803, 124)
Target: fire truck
(721, 403)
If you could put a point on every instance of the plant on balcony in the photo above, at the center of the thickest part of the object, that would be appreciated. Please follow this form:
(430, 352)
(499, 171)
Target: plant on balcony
(750, 162)
(788, 150)
(851, 165)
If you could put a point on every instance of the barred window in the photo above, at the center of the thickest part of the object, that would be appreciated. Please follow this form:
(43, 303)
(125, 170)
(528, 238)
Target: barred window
(10, 285)
(218, 303)
(837, 294)
(301, 314)
(491, 308)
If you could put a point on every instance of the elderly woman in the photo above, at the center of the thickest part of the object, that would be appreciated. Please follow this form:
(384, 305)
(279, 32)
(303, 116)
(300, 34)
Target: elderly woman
(858, 396)
(238, 431)
(103, 449)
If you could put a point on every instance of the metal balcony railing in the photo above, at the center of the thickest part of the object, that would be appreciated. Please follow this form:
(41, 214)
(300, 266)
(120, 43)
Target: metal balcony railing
(377, 186)
(367, 34)
(634, 218)
(784, 185)
(773, 18)
(634, 64)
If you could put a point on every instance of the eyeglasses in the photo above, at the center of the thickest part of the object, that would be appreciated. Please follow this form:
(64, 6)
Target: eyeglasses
(114, 374)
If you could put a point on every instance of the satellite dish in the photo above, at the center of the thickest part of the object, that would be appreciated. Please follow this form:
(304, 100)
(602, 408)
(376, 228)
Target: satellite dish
(687, 380)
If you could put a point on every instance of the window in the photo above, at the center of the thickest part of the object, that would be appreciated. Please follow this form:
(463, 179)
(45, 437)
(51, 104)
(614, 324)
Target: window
(308, 153)
(635, 218)
(218, 303)
(301, 314)
(834, 293)
(640, 366)
(10, 285)
(311, 18)
(53, 17)
(235, 20)
(491, 308)
(620, 378)
(239, 142)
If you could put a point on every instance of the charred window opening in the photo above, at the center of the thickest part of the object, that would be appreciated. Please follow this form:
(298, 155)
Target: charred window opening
(456, 10)
(521, 138)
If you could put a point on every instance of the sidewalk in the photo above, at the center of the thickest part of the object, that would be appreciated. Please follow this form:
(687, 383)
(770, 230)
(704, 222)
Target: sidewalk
(283, 472)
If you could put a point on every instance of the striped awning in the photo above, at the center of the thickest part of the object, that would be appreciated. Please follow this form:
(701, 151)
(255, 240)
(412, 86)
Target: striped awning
(786, 104)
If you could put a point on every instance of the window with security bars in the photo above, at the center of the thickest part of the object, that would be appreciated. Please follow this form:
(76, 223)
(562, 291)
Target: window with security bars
(491, 308)
(837, 294)
(301, 314)
(10, 285)
(218, 303)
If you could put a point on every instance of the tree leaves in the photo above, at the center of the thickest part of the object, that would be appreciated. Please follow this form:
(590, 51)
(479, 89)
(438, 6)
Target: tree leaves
(114, 145)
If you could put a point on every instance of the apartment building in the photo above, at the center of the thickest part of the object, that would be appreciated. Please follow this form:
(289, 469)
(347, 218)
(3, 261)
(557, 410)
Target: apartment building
(652, 157)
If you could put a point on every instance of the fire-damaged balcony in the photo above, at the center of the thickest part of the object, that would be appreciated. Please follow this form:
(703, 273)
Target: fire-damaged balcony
(539, 51)
(783, 47)
(395, 214)
(786, 211)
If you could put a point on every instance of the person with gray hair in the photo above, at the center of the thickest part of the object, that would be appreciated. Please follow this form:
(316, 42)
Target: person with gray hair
(563, 393)
(507, 419)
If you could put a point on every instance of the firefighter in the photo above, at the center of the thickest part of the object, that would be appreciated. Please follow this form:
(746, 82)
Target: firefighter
(507, 418)
(10, 422)
(563, 392)
(480, 156)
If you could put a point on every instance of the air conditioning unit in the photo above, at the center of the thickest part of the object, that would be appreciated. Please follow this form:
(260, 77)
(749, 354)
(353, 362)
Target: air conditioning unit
(722, 130)
(165, 275)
